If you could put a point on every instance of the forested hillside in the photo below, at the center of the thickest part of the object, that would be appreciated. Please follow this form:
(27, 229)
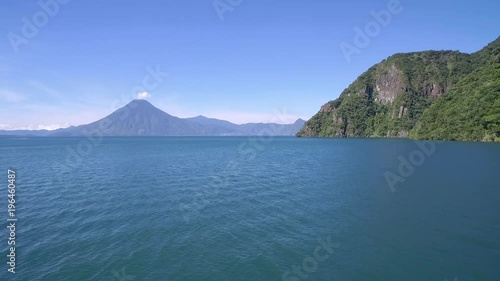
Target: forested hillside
(431, 94)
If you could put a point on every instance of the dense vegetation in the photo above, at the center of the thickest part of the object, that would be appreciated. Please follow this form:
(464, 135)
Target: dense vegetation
(432, 95)
(470, 111)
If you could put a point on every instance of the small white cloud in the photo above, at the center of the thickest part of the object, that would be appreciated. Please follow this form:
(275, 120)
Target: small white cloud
(143, 95)
(11, 96)
(50, 127)
(32, 127)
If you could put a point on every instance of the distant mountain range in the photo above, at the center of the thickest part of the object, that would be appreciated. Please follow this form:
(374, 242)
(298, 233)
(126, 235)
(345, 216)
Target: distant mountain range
(141, 118)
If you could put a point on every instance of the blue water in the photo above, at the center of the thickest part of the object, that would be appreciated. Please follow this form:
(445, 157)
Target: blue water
(251, 209)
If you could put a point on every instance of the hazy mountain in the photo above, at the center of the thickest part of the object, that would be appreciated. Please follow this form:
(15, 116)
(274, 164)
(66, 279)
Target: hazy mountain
(277, 129)
(229, 128)
(141, 118)
(138, 118)
(26, 133)
(213, 127)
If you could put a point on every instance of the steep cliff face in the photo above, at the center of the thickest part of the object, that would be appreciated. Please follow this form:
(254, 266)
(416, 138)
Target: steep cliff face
(388, 85)
(390, 97)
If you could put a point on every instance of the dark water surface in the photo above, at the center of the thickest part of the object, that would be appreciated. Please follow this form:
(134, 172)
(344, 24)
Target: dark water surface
(252, 209)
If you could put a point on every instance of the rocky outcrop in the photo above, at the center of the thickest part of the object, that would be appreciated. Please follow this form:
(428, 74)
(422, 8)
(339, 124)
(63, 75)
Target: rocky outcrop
(389, 85)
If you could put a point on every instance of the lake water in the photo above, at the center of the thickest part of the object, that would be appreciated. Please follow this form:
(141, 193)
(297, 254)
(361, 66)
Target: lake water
(241, 208)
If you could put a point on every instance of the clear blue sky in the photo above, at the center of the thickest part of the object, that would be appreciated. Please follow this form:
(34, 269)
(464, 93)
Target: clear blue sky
(262, 58)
